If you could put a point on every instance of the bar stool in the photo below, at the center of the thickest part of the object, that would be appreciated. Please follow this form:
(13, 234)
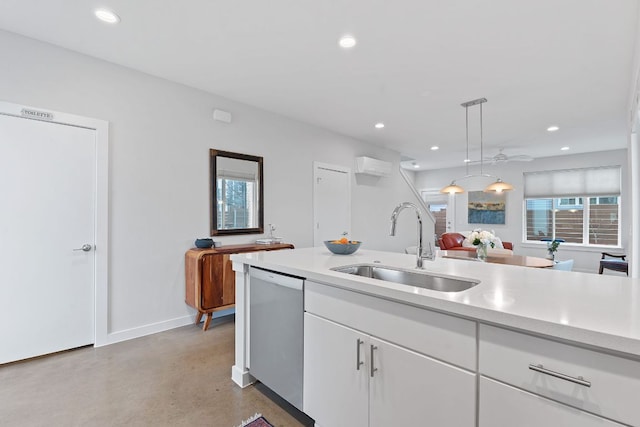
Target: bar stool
(563, 265)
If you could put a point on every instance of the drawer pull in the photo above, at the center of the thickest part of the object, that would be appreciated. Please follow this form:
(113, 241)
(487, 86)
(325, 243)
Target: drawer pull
(543, 370)
(373, 370)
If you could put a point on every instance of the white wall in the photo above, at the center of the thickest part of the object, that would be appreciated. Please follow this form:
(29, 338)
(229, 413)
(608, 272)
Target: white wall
(586, 259)
(160, 134)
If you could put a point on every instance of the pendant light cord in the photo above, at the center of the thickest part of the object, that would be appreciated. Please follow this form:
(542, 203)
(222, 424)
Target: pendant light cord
(466, 110)
(497, 186)
(481, 143)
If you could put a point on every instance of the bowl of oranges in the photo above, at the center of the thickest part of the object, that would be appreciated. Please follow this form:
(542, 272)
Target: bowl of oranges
(342, 246)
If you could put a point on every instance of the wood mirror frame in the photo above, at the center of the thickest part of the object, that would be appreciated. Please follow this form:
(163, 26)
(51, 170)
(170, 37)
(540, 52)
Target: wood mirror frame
(253, 220)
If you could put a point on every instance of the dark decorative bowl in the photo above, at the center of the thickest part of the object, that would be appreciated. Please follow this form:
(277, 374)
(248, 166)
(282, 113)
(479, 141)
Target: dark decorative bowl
(342, 248)
(204, 243)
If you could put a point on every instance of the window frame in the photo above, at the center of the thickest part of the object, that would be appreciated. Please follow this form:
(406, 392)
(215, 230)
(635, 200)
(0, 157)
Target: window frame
(586, 217)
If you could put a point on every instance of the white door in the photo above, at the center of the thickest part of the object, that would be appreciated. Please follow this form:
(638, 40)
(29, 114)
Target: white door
(335, 386)
(451, 217)
(408, 388)
(331, 202)
(47, 191)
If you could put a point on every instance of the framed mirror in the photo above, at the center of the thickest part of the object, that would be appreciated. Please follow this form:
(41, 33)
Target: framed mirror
(236, 193)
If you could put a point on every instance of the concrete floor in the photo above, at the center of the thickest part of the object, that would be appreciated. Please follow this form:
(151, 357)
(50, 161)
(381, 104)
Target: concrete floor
(180, 377)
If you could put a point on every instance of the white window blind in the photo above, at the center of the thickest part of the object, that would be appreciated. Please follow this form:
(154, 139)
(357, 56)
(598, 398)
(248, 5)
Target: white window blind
(602, 181)
(236, 175)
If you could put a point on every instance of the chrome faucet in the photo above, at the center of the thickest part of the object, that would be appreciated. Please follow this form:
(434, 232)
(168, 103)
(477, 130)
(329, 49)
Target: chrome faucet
(419, 252)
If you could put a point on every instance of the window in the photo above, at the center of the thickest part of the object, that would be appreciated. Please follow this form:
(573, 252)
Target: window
(586, 218)
(595, 223)
(570, 201)
(439, 213)
(438, 204)
(604, 214)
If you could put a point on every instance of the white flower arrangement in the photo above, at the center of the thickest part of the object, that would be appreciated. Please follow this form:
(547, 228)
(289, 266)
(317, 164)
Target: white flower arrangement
(483, 237)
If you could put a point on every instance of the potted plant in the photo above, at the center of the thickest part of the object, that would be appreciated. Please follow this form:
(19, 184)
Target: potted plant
(552, 248)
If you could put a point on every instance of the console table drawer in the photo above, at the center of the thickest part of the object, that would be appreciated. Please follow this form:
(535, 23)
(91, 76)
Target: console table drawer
(596, 382)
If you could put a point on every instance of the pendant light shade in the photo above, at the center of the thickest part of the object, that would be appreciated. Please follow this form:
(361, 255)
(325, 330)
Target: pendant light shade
(499, 186)
(452, 188)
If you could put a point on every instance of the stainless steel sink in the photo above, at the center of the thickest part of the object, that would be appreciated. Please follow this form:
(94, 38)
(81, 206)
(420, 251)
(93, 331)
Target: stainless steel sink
(406, 277)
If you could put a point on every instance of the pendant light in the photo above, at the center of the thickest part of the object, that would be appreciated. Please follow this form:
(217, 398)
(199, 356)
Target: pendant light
(452, 188)
(499, 185)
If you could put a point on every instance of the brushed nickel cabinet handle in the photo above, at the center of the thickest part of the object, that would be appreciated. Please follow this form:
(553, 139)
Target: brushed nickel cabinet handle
(373, 347)
(358, 361)
(543, 370)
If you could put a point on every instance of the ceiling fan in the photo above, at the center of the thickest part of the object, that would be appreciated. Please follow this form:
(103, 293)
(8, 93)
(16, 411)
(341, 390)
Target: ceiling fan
(503, 158)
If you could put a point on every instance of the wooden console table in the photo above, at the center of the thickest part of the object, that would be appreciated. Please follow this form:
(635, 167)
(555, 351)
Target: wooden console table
(210, 280)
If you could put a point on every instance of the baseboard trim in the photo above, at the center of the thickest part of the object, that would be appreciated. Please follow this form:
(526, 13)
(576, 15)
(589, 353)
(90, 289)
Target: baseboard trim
(240, 377)
(153, 328)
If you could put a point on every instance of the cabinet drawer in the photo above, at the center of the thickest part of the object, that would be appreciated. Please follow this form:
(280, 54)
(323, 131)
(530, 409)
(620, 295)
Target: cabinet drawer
(503, 405)
(443, 337)
(599, 383)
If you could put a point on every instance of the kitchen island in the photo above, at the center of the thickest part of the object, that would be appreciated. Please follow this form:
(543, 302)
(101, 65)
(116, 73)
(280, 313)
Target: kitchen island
(523, 345)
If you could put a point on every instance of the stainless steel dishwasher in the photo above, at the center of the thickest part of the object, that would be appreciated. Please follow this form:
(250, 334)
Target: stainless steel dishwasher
(276, 332)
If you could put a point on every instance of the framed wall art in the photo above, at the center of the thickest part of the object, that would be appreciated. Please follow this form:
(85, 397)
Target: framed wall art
(486, 208)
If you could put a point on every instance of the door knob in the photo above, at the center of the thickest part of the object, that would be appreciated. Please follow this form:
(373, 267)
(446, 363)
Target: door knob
(86, 248)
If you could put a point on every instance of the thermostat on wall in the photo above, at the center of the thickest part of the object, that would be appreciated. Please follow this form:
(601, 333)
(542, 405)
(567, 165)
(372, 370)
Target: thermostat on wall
(222, 116)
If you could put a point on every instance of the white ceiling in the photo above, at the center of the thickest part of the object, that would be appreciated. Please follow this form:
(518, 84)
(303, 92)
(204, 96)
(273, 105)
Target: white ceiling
(539, 63)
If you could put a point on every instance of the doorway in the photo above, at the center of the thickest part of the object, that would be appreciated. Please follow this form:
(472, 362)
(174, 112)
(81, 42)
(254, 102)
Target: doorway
(331, 202)
(441, 206)
(53, 230)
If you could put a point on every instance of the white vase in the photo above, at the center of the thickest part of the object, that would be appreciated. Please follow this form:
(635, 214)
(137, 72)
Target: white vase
(481, 251)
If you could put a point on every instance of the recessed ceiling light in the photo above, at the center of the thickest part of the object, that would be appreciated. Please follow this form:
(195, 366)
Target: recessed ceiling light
(552, 128)
(379, 125)
(565, 148)
(347, 41)
(467, 160)
(106, 15)
(434, 148)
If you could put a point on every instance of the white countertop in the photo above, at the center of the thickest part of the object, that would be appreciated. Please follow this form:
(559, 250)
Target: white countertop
(596, 310)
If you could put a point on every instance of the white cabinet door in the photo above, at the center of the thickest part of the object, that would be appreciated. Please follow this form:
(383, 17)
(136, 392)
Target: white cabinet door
(503, 405)
(335, 391)
(408, 388)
